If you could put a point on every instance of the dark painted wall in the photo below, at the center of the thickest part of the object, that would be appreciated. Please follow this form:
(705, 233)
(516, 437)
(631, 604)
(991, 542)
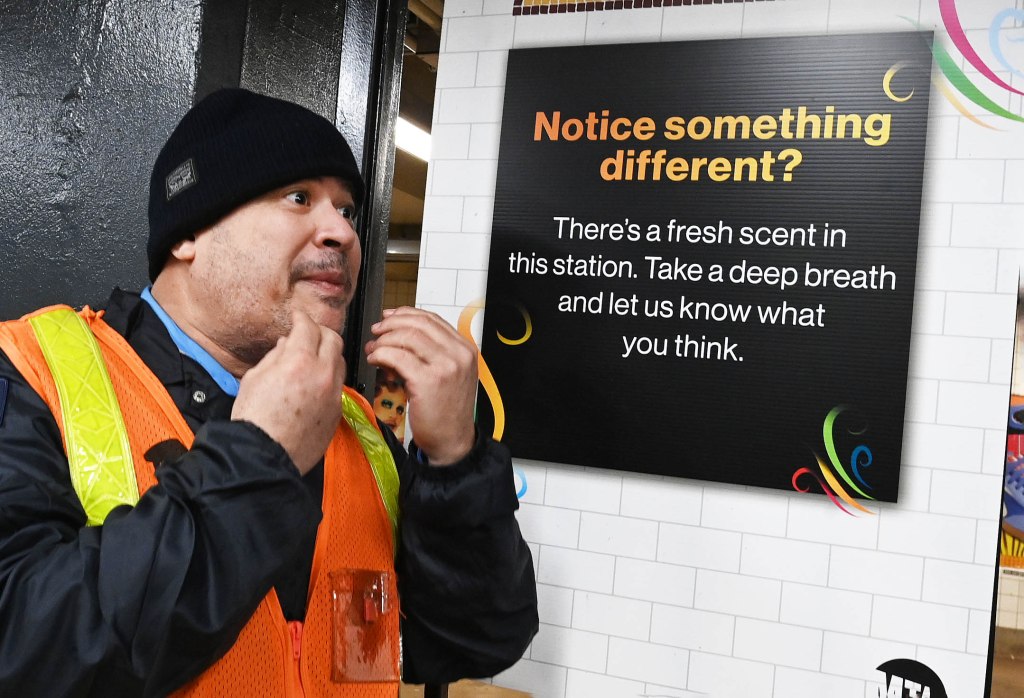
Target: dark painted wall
(89, 90)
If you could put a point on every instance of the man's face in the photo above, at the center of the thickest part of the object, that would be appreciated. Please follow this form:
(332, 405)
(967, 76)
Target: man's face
(293, 248)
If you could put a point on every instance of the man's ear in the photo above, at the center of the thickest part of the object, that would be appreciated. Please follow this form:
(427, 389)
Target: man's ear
(185, 250)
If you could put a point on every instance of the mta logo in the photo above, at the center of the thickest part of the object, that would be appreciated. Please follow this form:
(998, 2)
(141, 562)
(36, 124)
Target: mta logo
(907, 678)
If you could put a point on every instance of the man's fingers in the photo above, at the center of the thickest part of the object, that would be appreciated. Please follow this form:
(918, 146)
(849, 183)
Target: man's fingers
(305, 334)
(397, 318)
(421, 333)
(331, 345)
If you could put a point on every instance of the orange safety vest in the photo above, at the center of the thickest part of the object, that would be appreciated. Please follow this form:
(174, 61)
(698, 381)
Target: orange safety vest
(271, 657)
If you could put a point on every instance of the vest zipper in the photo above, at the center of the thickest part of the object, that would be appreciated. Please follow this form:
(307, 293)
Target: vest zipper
(295, 630)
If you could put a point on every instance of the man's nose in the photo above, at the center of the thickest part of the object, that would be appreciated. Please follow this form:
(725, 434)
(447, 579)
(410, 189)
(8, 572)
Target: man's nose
(334, 229)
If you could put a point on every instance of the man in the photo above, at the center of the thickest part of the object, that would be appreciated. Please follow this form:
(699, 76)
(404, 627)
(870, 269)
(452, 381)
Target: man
(238, 570)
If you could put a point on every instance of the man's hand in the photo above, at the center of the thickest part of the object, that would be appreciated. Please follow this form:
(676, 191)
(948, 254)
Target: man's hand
(294, 392)
(440, 371)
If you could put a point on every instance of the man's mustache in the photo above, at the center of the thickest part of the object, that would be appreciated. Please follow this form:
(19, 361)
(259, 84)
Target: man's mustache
(330, 265)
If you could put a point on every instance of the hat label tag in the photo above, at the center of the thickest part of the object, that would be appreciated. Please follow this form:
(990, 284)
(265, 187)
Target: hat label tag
(181, 178)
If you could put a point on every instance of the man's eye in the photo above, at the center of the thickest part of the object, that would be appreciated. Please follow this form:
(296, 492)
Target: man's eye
(299, 197)
(347, 212)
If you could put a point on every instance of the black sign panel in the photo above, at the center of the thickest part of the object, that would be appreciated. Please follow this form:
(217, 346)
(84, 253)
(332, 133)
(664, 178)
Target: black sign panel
(703, 258)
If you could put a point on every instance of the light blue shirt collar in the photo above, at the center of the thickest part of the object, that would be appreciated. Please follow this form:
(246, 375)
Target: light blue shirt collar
(188, 346)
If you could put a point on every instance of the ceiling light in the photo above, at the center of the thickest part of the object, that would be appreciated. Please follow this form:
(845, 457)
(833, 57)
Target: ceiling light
(412, 139)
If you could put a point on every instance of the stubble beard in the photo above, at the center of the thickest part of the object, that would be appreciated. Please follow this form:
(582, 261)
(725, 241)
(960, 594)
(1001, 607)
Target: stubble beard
(256, 341)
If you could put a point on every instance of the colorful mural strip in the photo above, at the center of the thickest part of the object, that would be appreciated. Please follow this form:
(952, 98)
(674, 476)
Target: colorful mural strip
(545, 7)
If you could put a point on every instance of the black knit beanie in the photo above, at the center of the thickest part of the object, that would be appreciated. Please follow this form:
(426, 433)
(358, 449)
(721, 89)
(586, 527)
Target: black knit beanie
(231, 147)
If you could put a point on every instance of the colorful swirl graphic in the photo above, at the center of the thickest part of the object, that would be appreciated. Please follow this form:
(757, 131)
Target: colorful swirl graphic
(486, 378)
(956, 77)
(520, 476)
(860, 458)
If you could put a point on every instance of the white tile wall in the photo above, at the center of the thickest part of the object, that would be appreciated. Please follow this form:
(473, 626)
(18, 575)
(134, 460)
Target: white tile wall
(476, 214)
(615, 28)
(490, 68)
(733, 678)
(958, 584)
(703, 548)
(944, 447)
(701, 22)
(644, 661)
(536, 678)
(814, 519)
(466, 177)
(618, 535)
(915, 489)
(438, 285)
(737, 595)
(671, 500)
(550, 525)
(692, 629)
(857, 656)
(735, 509)
(566, 30)
(869, 15)
(876, 572)
(576, 569)
(1002, 361)
(966, 494)
(960, 269)
(778, 643)
(952, 358)
(582, 684)
(972, 404)
(450, 141)
(575, 649)
(965, 180)
(980, 315)
(612, 615)
(654, 581)
(446, 250)
(797, 683)
(584, 490)
(993, 454)
(455, 70)
(929, 312)
(927, 624)
(554, 605)
(470, 287)
(965, 673)
(952, 537)
(1013, 184)
(442, 214)
(814, 607)
(992, 225)
(778, 558)
(666, 587)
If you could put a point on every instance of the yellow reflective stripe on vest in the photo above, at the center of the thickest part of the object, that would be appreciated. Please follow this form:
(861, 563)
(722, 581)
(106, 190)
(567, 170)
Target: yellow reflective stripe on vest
(99, 455)
(382, 462)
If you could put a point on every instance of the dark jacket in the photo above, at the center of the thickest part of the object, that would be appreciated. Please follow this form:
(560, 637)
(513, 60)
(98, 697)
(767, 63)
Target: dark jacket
(145, 602)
